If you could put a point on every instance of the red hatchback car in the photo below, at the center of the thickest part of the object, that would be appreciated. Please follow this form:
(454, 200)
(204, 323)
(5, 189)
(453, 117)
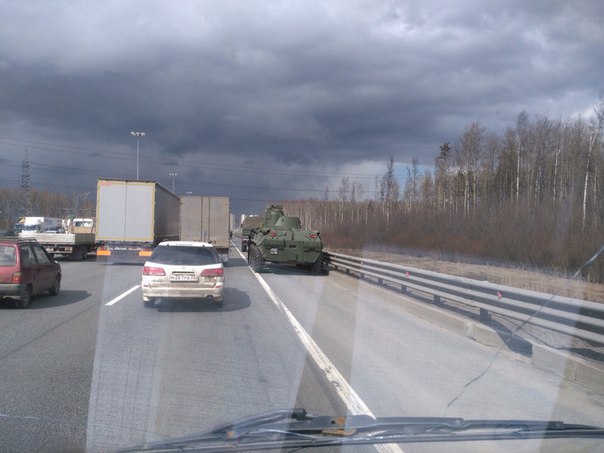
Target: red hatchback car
(25, 270)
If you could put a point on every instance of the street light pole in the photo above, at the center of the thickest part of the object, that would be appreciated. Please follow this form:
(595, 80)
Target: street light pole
(173, 174)
(138, 136)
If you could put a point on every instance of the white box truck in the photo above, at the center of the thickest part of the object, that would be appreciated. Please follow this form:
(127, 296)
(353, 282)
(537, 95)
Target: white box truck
(132, 217)
(206, 219)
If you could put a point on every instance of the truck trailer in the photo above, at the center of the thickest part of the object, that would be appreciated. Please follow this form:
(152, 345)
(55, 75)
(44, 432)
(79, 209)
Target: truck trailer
(248, 225)
(206, 219)
(132, 217)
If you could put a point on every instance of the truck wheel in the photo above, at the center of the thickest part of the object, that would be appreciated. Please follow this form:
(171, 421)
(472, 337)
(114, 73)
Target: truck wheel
(24, 299)
(254, 258)
(56, 287)
(79, 253)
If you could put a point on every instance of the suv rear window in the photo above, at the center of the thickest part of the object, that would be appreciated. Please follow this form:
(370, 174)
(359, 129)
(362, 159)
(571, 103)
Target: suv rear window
(8, 256)
(191, 256)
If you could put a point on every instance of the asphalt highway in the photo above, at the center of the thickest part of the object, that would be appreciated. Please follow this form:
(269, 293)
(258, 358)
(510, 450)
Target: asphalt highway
(92, 369)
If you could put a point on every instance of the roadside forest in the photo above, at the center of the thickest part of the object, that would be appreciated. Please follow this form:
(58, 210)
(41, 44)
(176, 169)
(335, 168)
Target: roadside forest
(531, 196)
(41, 203)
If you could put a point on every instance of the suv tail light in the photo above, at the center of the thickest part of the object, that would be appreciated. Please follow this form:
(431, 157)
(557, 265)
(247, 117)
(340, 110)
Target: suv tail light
(17, 278)
(150, 270)
(212, 272)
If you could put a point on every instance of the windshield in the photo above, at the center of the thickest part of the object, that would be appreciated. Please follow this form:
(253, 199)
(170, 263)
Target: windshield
(401, 207)
(184, 255)
(29, 227)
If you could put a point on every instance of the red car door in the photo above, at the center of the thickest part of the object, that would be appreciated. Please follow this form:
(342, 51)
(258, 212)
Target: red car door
(29, 267)
(46, 268)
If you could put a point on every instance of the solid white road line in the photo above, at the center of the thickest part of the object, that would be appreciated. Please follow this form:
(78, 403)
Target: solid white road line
(353, 401)
(121, 296)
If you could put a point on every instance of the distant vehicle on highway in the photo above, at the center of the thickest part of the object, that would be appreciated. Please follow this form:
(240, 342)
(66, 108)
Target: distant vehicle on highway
(281, 239)
(183, 269)
(74, 237)
(247, 226)
(39, 225)
(26, 270)
(206, 219)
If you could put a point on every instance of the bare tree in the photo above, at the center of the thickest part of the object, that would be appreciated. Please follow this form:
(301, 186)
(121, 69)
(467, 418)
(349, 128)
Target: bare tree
(594, 133)
(521, 139)
(389, 190)
(441, 173)
(412, 186)
(468, 158)
(343, 193)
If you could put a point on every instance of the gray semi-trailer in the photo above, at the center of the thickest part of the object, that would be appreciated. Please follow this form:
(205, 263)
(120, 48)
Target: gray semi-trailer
(132, 217)
(206, 219)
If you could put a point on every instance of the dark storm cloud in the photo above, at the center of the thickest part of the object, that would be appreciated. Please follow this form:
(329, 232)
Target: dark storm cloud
(296, 84)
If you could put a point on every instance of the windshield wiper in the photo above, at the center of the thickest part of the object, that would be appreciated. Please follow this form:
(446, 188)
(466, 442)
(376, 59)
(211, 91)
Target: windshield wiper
(298, 429)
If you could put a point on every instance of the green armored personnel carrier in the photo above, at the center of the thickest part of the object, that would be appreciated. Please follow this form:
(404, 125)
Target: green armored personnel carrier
(281, 239)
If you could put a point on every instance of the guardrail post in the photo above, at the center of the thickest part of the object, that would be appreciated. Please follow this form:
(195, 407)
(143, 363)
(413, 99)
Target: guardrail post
(485, 317)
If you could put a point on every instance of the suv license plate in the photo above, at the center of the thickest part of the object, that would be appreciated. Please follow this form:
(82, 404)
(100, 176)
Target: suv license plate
(274, 251)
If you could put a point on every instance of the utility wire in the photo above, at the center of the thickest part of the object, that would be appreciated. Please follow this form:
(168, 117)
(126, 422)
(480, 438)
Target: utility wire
(185, 163)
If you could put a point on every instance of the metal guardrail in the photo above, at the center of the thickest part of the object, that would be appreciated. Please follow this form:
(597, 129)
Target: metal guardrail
(575, 317)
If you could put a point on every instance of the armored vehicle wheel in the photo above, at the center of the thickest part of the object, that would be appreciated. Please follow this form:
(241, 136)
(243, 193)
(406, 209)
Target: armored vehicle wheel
(254, 258)
(317, 266)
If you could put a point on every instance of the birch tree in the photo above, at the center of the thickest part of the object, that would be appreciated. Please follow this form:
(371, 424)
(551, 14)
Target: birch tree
(594, 132)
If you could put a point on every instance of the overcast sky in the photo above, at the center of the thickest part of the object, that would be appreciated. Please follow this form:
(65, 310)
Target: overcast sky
(269, 100)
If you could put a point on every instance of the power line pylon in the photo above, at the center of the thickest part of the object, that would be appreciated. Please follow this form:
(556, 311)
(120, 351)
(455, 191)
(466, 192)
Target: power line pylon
(25, 201)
